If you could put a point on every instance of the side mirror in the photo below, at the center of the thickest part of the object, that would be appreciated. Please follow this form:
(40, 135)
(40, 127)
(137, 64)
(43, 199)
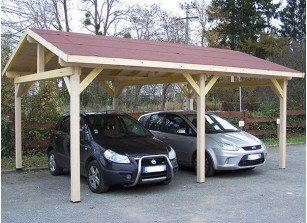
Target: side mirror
(181, 131)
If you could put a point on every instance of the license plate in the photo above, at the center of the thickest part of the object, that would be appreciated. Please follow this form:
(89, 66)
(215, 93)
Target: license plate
(152, 169)
(254, 156)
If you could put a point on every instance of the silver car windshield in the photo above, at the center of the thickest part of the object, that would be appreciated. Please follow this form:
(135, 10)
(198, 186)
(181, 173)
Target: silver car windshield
(214, 123)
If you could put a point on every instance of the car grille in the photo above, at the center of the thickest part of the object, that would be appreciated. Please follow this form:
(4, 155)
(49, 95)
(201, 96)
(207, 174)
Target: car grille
(248, 148)
(148, 162)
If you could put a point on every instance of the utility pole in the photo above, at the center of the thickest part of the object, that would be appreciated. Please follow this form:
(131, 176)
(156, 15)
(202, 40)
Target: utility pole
(187, 6)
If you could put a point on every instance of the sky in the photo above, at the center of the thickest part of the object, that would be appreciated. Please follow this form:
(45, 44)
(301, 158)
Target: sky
(172, 6)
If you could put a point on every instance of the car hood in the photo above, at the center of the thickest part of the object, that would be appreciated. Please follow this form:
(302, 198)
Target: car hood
(235, 138)
(135, 145)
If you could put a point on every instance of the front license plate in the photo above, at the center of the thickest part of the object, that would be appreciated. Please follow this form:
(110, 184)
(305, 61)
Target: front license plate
(152, 169)
(254, 156)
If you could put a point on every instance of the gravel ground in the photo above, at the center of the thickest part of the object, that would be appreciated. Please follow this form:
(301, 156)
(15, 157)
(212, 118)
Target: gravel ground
(265, 194)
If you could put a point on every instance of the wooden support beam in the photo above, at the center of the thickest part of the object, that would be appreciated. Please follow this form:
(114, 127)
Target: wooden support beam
(118, 91)
(184, 90)
(18, 130)
(89, 78)
(40, 58)
(283, 125)
(75, 134)
(211, 83)
(192, 82)
(277, 88)
(148, 80)
(67, 83)
(201, 107)
(243, 84)
(47, 75)
(106, 86)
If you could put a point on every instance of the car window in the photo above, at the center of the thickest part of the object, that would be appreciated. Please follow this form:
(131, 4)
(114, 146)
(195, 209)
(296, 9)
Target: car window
(215, 123)
(65, 125)
(177, 125)
(103, 126)
(133, 127)
(144, 119)
(156, 122)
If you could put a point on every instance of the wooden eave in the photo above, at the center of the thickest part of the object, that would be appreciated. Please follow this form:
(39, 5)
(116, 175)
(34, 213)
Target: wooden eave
(120, 70)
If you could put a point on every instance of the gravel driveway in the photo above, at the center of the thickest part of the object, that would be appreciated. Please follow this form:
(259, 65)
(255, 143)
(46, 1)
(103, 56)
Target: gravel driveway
(265, 194)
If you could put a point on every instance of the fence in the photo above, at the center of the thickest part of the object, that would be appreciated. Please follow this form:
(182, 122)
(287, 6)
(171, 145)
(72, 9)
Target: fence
(251, 125)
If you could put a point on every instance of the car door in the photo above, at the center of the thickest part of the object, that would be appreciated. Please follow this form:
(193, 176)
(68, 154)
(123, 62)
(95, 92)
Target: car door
(61, 138)
(85, 144)
(179, 134)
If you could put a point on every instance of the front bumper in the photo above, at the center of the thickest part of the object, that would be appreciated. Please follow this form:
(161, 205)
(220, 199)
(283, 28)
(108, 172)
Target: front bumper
(134, 173)
(233, 160)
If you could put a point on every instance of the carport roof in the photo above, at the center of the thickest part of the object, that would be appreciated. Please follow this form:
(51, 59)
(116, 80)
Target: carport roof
(88, 50)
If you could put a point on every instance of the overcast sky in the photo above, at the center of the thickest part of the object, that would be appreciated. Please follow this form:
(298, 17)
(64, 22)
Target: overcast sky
(168, 5)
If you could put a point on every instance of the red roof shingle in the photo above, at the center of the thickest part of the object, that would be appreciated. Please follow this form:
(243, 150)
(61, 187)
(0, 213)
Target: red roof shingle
(115, 47)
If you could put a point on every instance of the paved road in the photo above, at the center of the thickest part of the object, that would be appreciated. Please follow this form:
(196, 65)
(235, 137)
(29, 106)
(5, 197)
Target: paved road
(265, 194)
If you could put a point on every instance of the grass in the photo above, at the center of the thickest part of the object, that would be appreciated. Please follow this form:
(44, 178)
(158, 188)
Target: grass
(29, 161)
(293, 139)
(41, 160)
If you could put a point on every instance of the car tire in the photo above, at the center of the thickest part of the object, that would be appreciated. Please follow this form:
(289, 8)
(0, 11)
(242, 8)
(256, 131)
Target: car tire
(208, 165)
(95, 178)
(53, 165)
(166, 182)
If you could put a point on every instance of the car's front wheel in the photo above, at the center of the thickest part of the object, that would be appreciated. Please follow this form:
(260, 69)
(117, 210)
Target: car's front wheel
(53, 166)
(95, 178)
(209, 169)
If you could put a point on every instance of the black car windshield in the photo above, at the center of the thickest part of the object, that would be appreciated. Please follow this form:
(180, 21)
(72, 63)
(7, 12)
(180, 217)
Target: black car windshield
(214, 123)
(113, 126)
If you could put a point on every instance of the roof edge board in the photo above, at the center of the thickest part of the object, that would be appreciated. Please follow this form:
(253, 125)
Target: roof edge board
(159, 65)
(22, 41)
(47, 45)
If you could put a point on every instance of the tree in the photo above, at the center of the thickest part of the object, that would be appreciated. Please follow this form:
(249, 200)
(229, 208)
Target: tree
(201, 12)
(237, 20)
(18, 15)
(7, 84)
(293, 18)
(100, 17)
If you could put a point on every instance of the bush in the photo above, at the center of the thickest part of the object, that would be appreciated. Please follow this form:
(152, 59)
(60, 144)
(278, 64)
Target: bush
(6, 137)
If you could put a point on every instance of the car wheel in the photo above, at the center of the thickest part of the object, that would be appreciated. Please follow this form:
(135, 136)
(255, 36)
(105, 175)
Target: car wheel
(53, 166)
(166, 182)
(95, 178)
(208, 165)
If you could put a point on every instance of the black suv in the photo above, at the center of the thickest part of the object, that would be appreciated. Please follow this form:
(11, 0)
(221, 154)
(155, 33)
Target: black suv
(115, 149)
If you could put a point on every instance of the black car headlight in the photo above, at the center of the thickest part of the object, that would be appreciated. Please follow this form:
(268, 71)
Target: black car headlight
(115, 157)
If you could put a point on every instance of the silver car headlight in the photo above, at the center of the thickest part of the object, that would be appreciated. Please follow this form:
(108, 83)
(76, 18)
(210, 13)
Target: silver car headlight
(115, 157)
(171, 154)
(228, 147)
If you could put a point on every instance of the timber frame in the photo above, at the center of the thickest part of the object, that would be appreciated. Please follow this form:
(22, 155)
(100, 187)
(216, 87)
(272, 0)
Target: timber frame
(37, 58)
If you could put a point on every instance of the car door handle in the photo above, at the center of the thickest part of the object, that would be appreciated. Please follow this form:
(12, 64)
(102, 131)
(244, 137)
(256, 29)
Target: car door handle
(164, 137)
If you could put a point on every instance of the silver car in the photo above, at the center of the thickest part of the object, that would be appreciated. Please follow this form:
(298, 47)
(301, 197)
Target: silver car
(227, 147)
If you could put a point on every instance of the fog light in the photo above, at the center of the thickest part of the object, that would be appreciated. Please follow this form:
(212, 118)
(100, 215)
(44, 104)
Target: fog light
(128, 176)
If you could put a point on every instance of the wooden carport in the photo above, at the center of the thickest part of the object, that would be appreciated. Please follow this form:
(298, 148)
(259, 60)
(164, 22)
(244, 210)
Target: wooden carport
(119, 62)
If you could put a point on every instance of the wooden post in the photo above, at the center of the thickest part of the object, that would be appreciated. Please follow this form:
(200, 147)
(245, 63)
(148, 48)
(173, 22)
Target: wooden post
(201, 130)
(75, 134)
(115, 103)
(283, 125)
(18, 139)
(190, 98)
